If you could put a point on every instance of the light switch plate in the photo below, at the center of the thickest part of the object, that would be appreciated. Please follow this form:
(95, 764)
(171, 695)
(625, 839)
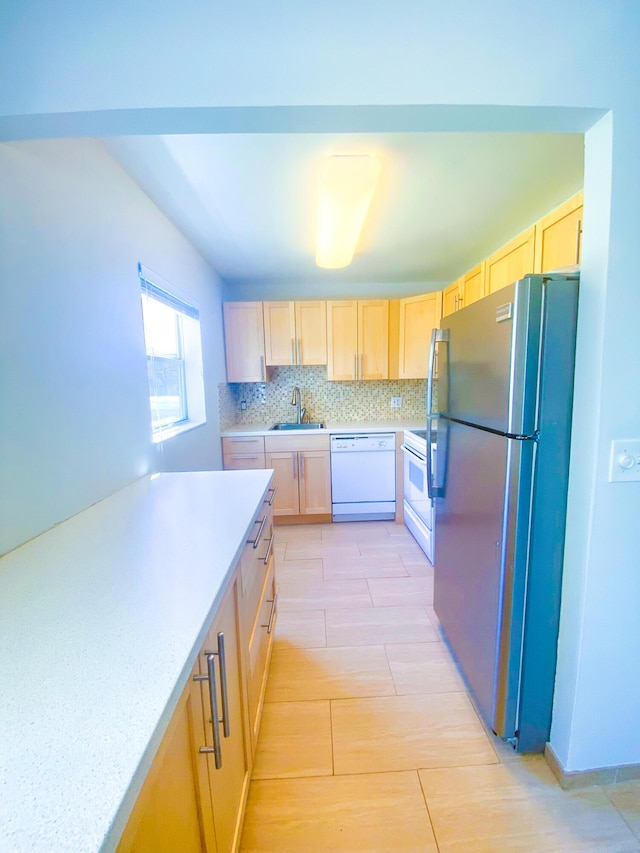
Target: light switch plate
(624, 462)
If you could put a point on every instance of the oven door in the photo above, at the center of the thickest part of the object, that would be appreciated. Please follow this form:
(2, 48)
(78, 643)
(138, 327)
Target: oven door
(415, 486)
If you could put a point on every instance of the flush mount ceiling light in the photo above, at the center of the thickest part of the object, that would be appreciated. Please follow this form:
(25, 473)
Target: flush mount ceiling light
(347, 184)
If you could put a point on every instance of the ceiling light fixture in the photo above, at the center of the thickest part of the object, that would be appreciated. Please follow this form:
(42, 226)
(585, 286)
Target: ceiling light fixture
(347, 184)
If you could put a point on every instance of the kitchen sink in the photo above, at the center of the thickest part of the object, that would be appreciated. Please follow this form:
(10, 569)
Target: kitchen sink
(298, 426)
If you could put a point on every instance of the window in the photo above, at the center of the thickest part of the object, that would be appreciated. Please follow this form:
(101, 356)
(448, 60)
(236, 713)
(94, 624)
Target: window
(174, 359)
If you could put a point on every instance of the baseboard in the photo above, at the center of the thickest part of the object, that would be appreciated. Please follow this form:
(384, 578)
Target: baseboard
(569, 779)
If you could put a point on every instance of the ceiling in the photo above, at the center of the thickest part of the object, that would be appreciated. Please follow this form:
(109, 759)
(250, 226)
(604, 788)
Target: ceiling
(444, 201)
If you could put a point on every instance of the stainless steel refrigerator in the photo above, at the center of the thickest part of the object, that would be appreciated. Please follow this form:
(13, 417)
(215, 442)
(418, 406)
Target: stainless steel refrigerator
(503, 369)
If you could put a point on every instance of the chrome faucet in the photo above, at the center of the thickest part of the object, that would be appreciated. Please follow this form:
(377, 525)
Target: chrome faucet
(296, 400)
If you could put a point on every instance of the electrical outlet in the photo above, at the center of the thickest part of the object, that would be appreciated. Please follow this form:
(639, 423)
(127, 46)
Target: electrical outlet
(396, 402)
(243, 405)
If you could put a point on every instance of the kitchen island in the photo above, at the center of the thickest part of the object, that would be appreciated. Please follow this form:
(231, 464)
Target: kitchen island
(102, 620)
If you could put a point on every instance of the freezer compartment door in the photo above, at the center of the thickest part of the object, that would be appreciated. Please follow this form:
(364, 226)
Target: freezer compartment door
(488, 362)
(480, 563)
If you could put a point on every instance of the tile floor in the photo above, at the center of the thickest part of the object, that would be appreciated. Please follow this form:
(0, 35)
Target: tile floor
(369, 740)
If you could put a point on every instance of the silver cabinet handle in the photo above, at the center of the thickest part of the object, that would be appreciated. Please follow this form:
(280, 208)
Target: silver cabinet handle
(293, 352)
(294, 457)
(216, 749)
(241, 440)
(355, 366)
(273, 491)
(245, 456)
(255, 542)
(269, 549)
(274, 604)
(362, 367)
(299, 350)
(301, 457)
(223, 684)
(262, 369)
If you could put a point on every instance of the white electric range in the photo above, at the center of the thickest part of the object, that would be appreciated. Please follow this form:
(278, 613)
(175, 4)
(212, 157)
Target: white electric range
(419, 509)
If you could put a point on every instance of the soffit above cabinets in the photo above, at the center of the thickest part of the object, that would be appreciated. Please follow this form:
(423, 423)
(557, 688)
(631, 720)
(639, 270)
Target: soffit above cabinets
(444, 200)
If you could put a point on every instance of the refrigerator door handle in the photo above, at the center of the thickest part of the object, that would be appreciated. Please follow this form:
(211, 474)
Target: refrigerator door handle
(437, 335)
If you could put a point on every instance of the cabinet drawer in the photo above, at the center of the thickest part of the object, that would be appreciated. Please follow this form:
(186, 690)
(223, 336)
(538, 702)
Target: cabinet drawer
(254, 567)
(287, 443)
(243, 461)
(259, 648)
(240, 444)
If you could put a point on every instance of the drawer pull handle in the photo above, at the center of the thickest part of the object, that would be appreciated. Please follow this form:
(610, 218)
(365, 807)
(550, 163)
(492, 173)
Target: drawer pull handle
(274, 603)
(216, 749)
(269, 549)
(273, 491)
(255, 542)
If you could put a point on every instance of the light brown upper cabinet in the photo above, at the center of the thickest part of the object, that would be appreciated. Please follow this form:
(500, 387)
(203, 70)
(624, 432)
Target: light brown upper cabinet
(510, 262)
(358, 339)
(295, 332)
(244, 342)
(559, 236)
(473, 285)
(452, 297)
(418, 316)
(464, 290)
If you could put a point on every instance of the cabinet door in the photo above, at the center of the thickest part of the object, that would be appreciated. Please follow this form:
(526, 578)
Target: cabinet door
(511, 262)
(244, 341)
(559, 236)
(173, 810)
(314, 482)
(229, 783)
(279, 333)
(473, 285)
(311, 332)
(451, 298)
(259, 649)
(342, 340)
(373, 338)
(285, 480)
(418, 316)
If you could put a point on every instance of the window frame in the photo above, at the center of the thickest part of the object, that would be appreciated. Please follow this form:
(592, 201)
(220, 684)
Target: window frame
(187, 318)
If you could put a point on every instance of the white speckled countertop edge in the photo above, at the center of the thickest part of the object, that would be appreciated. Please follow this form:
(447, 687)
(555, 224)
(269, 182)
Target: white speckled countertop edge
(329, 427)
(101, 620)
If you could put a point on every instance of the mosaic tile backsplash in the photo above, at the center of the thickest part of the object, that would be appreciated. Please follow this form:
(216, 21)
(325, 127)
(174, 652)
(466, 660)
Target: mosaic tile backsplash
(270, 402)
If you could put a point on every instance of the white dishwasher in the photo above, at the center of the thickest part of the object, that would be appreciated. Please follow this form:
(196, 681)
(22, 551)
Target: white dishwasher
(363, 476)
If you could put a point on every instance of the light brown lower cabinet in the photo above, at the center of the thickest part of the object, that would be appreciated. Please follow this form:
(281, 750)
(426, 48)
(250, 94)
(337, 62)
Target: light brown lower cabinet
(302, 474)
(240, 453)
(194, 795)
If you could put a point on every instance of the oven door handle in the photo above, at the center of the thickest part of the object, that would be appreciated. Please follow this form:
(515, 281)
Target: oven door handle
(409, 450)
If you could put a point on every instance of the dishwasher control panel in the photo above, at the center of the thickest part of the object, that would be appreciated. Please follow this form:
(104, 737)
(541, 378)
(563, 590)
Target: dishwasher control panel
(370, 441)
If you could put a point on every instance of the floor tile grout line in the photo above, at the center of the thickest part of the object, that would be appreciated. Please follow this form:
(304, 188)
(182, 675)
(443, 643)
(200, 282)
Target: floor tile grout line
(333, 751)
(426, 805)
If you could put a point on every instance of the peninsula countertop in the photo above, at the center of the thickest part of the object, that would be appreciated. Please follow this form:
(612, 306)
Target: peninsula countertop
(101, 621)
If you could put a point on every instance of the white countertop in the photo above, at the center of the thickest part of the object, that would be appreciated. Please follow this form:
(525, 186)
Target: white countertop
(329, 427)
(101, 619)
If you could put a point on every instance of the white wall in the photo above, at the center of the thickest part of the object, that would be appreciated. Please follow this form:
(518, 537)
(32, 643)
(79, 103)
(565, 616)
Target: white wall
(400, 64)
(74, 418)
